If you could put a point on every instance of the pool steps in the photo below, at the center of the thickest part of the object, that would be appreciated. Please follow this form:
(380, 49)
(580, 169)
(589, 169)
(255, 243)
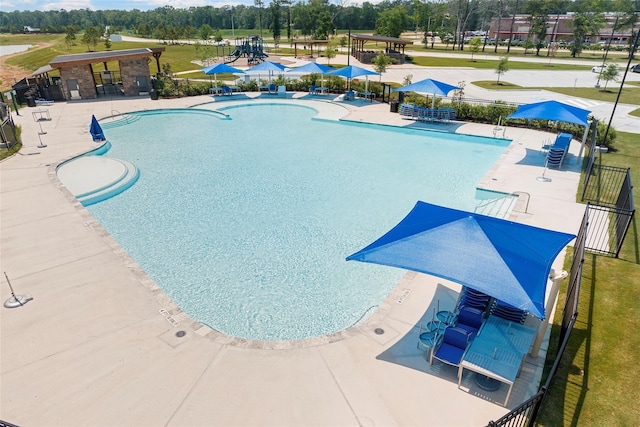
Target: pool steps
(113, 188)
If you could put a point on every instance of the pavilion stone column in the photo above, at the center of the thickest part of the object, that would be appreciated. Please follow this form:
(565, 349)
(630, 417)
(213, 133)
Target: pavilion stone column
(83, 75)
(550, 308)
(130, 70)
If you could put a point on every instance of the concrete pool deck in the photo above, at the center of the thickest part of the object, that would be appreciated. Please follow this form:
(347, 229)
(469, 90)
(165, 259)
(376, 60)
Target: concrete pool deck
(101, 345)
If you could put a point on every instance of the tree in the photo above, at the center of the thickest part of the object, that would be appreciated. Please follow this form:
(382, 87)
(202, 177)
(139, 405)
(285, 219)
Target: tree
(332, 49)
(70, 38)
(91, 36)
(391, 23)
(259, 4)
(584, 23)
(608, 74)
(107, 39)
(275, 22)
(380, 63)
(503, 67)
(538, 23)
(205, 32)
(474, 45)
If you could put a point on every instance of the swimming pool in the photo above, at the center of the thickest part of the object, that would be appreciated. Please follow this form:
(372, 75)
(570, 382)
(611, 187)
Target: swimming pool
(246, 222)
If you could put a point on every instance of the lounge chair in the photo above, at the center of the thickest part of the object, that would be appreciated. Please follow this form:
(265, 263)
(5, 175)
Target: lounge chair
(282, 91)
(350, 96)
(558, 151)
(313, 90)
(273, 89)
(452, 346)
(470, 320)
(226, 90)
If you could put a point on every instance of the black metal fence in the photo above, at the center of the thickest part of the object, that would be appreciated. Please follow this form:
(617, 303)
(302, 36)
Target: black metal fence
(526, 413)
(609, 193)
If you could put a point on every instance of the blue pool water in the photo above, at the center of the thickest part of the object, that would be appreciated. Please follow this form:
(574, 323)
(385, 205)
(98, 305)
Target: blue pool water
(245, 223)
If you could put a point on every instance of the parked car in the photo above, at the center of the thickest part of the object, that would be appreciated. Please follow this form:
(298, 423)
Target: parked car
(635, 68)
(600, 68)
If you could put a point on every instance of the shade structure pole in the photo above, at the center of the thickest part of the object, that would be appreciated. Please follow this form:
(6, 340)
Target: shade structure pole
(584, 141)
(550, 308)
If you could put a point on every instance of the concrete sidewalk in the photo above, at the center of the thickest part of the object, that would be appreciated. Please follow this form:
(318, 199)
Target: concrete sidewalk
(102, 345)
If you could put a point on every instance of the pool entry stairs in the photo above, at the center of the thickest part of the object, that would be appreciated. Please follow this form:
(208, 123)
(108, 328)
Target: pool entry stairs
(499, 207)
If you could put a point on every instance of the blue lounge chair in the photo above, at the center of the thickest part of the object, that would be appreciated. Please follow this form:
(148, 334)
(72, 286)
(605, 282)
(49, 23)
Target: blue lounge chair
(282, 91)
(558, 151)
(452, 347)
(350, 96)
(470, 320)
(313, 90)
(273, 89)
(226, 90)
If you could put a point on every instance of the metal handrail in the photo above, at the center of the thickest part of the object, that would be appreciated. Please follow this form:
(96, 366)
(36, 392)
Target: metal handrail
(124, 116)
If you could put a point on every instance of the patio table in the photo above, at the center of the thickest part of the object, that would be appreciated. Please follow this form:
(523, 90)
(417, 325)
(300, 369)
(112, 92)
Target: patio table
(498, 351)
(215, 91)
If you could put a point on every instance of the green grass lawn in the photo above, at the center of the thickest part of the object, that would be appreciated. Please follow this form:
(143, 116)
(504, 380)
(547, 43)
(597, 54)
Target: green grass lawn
(494, 85)
(479, 62)
(597, 379)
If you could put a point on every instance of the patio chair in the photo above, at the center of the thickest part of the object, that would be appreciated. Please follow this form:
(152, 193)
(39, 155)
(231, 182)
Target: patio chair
(282, 91)
(313, 90)
(427, 338)
(273, 89)
(470, 320)
(226, 90)
(452, 346)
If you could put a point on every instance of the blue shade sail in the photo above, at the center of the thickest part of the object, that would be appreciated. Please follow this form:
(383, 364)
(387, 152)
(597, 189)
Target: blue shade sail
(221, 68)
(428, 86)
(507, 260)
(351, 72)
(552, 110)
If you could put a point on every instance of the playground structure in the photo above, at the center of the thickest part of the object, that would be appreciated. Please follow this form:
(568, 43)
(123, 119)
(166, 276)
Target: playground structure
(250, 48)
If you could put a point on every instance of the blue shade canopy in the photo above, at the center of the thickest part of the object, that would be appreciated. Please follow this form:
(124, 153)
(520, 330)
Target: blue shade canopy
(96, 130)
(267, 66)
(507, 260)
(310, 68)
(351, 72)
(428, 86)
(221, 68)
(552, 110)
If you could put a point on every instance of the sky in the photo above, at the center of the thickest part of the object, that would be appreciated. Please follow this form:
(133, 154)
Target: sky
(44, 5)
(11, 5)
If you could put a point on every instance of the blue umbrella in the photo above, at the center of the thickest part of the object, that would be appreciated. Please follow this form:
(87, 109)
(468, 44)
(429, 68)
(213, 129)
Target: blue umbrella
(429, 86)
(311, 68)
(552, 110)
(219, 69)
(96, 130)
(267, 66)
(351, 72)
(504, 259)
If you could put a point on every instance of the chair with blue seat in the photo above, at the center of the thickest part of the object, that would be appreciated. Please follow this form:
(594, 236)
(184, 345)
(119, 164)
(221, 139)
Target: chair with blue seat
(273, 89)
(313, 90)
(470, 320)
(451, 348)
(282, 91)
(226, 90)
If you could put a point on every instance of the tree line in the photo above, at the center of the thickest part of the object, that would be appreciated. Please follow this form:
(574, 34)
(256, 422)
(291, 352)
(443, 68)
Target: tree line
(319, 19)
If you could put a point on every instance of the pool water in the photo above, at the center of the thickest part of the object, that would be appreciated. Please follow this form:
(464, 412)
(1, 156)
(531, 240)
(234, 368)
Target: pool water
(245, 223)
